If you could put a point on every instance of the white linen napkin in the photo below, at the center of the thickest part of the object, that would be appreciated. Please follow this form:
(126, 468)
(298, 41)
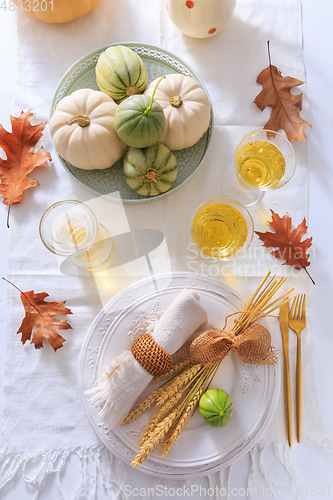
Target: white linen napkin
(43, 417)
(120, 383)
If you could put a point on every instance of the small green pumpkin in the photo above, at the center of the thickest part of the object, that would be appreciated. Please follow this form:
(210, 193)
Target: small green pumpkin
(120, 72)
(216, 407)
(140, 121)
(150, 171)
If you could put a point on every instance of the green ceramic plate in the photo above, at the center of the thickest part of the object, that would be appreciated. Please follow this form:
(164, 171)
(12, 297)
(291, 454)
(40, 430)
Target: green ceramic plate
(111, 181)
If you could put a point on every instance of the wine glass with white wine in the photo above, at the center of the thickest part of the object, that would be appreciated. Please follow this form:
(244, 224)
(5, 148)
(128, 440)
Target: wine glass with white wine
(69, 228)
(264, 160)
(222, 228)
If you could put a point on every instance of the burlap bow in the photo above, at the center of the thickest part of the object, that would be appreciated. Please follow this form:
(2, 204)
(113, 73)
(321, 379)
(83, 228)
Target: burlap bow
(252, 345)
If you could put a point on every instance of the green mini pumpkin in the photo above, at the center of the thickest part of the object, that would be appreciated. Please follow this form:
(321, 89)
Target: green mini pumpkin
(150, 171)
(216, 407)
(120, 73)
(140, 121)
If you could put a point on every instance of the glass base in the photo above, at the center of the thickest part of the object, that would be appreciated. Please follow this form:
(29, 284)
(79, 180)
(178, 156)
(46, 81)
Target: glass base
(98, 252)
(233, 189)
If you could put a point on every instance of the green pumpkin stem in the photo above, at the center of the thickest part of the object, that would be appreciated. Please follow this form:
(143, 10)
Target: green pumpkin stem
(147, 111)
(176, 101)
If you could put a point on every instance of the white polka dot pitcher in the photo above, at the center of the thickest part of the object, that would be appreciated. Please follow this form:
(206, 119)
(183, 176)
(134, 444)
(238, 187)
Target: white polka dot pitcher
(200, 18)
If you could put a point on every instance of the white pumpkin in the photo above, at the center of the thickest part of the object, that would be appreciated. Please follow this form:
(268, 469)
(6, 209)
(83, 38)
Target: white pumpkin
(186, 108)
(82, 129)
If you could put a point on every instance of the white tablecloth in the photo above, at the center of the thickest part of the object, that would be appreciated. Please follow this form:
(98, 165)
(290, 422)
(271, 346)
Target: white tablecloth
(228, 64)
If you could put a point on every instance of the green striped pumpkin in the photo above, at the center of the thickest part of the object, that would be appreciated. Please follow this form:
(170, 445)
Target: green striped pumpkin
(135, 126)
(150, 171)
(120, 73)
(216, 407)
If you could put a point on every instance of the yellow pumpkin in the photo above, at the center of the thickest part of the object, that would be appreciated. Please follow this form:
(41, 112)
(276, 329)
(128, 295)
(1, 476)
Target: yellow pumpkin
(57, 11)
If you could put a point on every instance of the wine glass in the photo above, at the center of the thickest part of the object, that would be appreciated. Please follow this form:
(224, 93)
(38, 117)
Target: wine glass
(222, 228)
(69, 228)
(264, 160)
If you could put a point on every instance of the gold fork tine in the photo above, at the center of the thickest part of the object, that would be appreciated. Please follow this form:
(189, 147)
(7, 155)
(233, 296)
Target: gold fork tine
(299, 308)
(293, 308)
(296, 306)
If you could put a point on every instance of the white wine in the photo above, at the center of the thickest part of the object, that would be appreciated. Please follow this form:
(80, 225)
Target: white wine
(261, 164)
(219, 230)
(77, 234)
(98, 252)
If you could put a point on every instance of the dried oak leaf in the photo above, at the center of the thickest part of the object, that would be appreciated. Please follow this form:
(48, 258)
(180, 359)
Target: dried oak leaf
(286, 106)
(288, 241)
(40, 315)
(21, 159)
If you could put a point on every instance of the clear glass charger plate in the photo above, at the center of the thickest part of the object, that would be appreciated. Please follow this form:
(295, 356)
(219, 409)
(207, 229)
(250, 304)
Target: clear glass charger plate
(200, 449)
(111, 181)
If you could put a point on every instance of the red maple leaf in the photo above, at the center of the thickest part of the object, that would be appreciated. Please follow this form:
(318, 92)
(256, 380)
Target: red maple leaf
(287, 241)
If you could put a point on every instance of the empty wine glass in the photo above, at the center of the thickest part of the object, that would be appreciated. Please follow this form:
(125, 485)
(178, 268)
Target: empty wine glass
(264, 160)
(70, 229)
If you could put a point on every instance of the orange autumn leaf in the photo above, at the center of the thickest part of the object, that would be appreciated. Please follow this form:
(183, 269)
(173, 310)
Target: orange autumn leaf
(285, 106)
(287, 241)
(39, 321)
(21, 159)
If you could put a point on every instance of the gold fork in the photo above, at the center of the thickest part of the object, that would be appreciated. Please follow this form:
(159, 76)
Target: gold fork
(297, 322)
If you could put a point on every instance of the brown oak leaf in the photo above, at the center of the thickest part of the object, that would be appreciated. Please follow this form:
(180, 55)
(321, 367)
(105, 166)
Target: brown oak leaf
(288, 241)
(39, 321)
(286, 106)
(21, 159)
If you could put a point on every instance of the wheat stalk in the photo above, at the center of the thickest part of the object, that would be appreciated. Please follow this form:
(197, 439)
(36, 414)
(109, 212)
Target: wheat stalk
(179, 381)
(259, 305)
(153, 440)
(140, 409)
(163, 393)
(158, 417)
(188, 405)
(180, 414)
(171, 438)
(176, 368)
